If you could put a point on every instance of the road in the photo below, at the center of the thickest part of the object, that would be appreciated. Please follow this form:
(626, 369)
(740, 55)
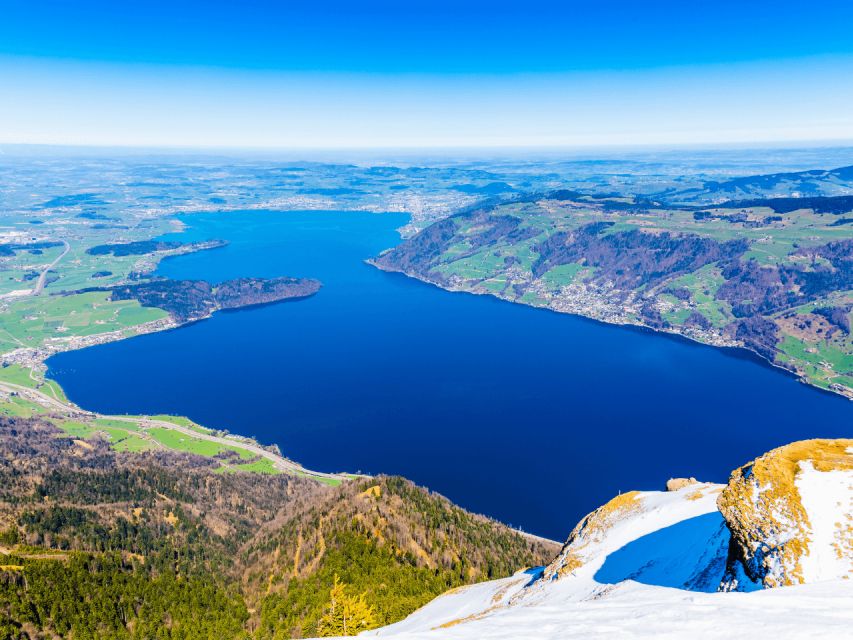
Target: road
(279, 462)
(43, 275)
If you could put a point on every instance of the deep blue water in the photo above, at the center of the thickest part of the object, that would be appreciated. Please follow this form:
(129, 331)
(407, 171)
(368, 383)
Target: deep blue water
(526, 415)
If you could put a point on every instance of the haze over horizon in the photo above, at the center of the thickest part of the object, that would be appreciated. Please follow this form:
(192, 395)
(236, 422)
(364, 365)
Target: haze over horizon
(425, 75)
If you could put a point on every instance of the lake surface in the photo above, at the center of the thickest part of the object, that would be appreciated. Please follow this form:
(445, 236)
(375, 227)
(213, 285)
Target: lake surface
(526, 415)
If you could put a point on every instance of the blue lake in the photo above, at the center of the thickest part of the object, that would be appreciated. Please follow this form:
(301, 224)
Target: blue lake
(526, 415)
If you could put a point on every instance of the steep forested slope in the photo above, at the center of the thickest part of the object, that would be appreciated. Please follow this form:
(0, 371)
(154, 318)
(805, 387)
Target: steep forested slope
(94, 544)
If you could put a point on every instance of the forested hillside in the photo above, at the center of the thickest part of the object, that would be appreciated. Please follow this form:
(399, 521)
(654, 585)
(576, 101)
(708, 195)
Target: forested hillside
(95, 543)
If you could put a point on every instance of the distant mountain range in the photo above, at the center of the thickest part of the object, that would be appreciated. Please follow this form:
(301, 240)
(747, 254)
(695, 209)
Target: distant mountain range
(815, 182)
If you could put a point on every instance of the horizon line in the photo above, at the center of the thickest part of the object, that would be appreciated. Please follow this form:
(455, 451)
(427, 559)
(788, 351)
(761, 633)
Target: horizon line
(804, 143)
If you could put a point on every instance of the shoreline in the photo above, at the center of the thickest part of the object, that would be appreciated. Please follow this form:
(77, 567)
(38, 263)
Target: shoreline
(70, 409)
(34, 360)
(282, 463)
(36, 357)
(733, 350)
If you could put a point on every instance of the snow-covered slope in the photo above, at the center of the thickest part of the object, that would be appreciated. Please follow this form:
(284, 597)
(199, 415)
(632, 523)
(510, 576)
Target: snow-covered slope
(827, 497)
(671, 539)
(650, 564)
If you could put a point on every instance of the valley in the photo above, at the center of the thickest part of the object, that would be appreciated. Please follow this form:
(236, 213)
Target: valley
(426, 320)
(378, 373)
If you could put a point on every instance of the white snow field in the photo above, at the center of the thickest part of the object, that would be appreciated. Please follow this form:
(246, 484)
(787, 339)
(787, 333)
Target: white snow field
(827, 497)
(647, 565)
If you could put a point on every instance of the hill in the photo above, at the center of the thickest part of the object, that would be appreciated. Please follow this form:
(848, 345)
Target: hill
(777, 283)
(97, 543)
(798, 184)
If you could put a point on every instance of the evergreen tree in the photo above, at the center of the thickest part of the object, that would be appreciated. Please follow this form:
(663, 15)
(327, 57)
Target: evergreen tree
(346, 615)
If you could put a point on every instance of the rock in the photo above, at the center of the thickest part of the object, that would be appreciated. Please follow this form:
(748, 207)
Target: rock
(674, 484)
(590, 532)
(790, 514)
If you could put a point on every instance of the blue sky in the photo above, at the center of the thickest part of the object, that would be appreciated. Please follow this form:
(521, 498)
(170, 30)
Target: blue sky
(397, 74)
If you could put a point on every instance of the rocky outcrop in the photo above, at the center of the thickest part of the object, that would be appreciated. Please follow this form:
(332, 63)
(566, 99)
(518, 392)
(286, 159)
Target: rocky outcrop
(790, 514)
(785, 518)
(674, 484)
(650, 563)
(591, 531)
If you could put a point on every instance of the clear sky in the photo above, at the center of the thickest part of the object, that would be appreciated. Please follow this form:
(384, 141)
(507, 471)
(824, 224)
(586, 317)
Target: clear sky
(282, 74)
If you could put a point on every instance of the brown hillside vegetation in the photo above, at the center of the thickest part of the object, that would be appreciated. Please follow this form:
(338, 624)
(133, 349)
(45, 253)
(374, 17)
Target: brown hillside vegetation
(398, 541)
(95, 543)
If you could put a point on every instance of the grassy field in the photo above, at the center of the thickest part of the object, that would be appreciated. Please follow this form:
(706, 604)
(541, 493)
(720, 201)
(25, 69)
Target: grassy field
(262, 465)
(16, 374)
(109, 423)
(21, 376)
(31, 322)
(564, 274)
(53, 389)
(76, 429)
(123, 440)
(20, 271)
(128, 435)
(17, 407)
(183, 422)
(182, 442)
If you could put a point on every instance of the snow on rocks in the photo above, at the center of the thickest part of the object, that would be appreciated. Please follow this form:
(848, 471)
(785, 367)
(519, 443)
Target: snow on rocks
(649, 564)
(780, 535)
(661, 537)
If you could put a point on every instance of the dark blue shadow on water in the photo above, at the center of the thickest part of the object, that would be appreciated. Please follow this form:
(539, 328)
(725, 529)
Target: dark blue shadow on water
(690, 554)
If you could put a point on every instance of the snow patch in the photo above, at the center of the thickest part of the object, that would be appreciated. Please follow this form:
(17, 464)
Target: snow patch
(827, 497)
